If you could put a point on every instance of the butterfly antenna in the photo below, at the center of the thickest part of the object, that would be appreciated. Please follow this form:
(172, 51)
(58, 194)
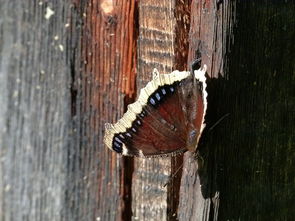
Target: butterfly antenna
(217, 122)
(173, 175)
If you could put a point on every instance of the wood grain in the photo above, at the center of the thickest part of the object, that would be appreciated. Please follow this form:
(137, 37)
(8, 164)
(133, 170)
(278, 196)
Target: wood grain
(155, 50)
(66, 68)
(210, 35)
(36, 60)
(159, 27)
(107, 77)
(257, 159)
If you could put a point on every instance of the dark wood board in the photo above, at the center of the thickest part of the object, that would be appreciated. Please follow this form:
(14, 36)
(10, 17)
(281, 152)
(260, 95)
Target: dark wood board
(256, 145)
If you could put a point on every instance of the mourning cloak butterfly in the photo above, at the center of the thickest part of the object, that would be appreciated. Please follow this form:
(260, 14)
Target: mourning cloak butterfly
(167, 118)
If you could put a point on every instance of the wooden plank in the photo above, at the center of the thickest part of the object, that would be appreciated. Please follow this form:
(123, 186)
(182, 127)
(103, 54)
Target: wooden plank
(35, 114)
(155, 50)
(210, 34)
(162, 43)
(107, 77)
(257, 143)
(247, 159)
(53, 165)
(57, 91)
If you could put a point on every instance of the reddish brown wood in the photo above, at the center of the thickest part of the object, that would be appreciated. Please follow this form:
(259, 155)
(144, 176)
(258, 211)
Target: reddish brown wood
(163, 44)
(108, 51)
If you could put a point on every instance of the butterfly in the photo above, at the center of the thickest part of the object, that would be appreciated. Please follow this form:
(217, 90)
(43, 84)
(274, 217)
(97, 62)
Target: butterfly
(167, 118)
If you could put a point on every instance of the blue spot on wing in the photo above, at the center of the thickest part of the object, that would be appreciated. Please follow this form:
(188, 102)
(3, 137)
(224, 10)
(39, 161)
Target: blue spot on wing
(152, 101)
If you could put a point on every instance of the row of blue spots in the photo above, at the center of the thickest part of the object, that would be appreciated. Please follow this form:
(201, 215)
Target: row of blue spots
(161, 93)
(154, 100)
(121, 138)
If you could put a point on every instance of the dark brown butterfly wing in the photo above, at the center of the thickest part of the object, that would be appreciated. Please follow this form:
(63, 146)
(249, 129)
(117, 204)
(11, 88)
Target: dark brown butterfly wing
(167, 118)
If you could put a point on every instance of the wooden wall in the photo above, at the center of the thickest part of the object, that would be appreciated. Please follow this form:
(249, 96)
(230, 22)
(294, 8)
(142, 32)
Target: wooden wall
(68, 67)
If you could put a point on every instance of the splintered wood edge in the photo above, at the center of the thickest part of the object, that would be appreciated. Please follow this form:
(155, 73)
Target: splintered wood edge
(136, 108)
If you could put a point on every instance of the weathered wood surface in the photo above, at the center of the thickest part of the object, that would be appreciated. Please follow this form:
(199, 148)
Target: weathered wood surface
(60, 77)
(107, 77)
(157, 48)
(63, 75)
(149, 176)
(38, 43)
(209, 37)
